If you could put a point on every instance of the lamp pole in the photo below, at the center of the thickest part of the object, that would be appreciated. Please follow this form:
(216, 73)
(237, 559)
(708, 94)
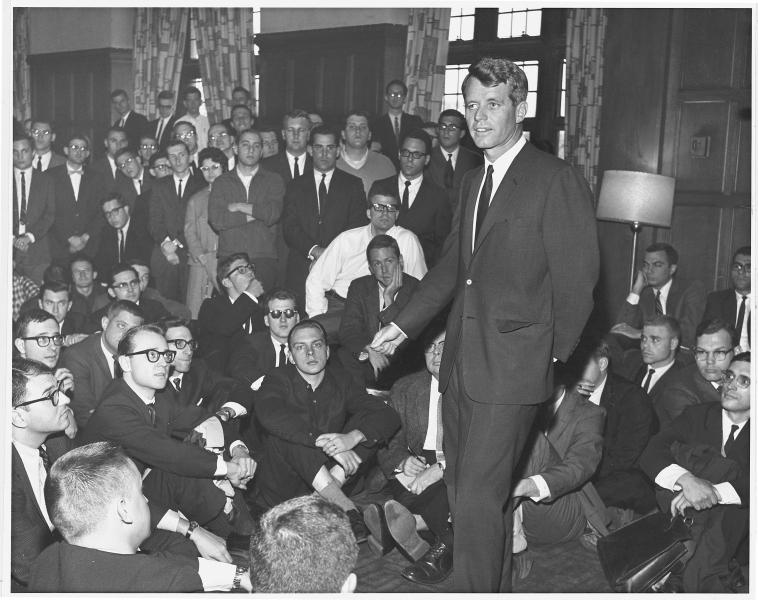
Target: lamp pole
(636, 228)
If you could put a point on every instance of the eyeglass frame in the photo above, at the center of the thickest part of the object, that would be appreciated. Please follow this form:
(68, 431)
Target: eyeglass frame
(435, 348)
(53, 397)
(122, 285)
(164, 353)
(289, 313)
(385, 208)
(740, 268)
(181, 343)
(56, 339)
(730, 376)
(701, 354)
(248, 266)
(405, 153)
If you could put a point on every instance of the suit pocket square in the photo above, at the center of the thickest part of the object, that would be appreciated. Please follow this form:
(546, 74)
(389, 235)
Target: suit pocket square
(506, 325)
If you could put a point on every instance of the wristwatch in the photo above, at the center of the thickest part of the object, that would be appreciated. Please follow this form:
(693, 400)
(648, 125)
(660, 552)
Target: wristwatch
(192, 526)
(225, 414)
(237, 581)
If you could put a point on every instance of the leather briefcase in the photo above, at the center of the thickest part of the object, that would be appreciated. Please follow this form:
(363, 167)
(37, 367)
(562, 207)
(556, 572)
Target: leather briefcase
(637, 556)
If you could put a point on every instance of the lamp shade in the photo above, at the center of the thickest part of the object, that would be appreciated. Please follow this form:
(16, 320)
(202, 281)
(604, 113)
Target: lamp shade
(635, 197)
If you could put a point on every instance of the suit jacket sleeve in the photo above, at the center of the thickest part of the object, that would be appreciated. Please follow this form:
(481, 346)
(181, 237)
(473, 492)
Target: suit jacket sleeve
(223, 193)
(673, 401)
(268, 200)
(353, 334)
(397, 448)
(635, 425)
(46, 196)
(631, 314)
(277, 416)
(370, 415)
(692, 308)
(84, 400)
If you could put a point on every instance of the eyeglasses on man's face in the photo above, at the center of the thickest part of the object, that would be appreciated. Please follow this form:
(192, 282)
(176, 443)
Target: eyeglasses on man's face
(40, 132)
(408, 154)
(435, 348)
(148, 146)
(701, 354)
(242, 270)
(384, 208)
(123, 163)
(742, 381)
(182, 343)
(153, 355)
(287, 312)
(448, 127)
(741, 268)
(132, 283)
(53, 396)
(44, 340)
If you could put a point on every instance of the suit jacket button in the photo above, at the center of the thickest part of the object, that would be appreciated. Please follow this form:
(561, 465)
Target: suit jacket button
(468, 282)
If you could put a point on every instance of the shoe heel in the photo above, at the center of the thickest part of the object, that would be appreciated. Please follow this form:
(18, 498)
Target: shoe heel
(376, 547)
(416, 549)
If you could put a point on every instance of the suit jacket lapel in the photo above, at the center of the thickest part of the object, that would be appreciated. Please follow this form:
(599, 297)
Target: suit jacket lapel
(421, 391)
(497, 209)
(22, 479)
(672, 300)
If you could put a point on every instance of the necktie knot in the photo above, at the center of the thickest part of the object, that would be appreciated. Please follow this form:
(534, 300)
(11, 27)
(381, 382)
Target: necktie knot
(646, 385)
(282, 355)
(177, 383)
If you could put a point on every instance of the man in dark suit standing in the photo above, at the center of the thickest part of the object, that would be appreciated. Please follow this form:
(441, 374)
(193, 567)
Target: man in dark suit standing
(162, 127)
(390, 128)
(133, 123)
(115, 139)
(33, 212)
(318, 207)
(294, 161)
(520, 266)
(450, 161)
(423, 209)
(702, 461)
(733, 305)
(137, 185)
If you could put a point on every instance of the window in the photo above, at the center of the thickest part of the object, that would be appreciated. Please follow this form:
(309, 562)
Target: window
(461, 24)
(518, 23)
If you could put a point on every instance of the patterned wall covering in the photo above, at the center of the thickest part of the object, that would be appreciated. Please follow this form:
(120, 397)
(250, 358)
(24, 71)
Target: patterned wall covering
(425, 60)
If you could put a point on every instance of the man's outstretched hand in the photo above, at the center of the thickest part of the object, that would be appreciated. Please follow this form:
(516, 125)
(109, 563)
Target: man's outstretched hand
(387, 339)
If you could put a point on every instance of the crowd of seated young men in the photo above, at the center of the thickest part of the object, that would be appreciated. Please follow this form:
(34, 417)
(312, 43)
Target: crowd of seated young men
(206, 381)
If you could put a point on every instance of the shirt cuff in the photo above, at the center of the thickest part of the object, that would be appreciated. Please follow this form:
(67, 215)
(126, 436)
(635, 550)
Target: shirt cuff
(239, 410)
(310, 252)
(542, 488)
(220, 467)
(169, 521)
(250, 296)
(236, 444)
(667, 477)
(633, 298)
(216, 576)
(31, 237)
(400, 330)
(727, 493)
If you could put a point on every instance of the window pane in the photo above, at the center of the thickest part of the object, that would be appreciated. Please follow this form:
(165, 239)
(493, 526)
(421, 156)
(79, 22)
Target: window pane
(534, 22)
(504, 25)
(562, 112)
(518, 27)
(531, 105)
(561, 144)
(516, 23)
(467, 27)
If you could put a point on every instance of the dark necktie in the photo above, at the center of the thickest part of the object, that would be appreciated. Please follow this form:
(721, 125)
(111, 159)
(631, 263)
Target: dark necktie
(160, 131)
(646, 385)
(179, 192)
(46, 459)
(406, 197)
(321, 192)
(177, 381)
(282, 355)
(740, 319)
(39, 163)
(397, 130)
(449, 171)
(730, 440)
(121, 245)
(122, 122)
(151, 413)
(296, 170)
(139, 187)
(484, 202)
(22, 212)
(658, 305)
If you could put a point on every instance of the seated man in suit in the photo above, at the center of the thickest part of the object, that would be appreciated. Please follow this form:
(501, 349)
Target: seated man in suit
(91, 362)
(96, 503)
(319, 427)
(43, 134)
(699, 383)
(702, 461)
(629, 425)
(86, 291)
(125, 236)
(390, 128)
(54, 297)
(186, 132)
(414, 465)
(124, 285)
(422, 207)
(303, 545)
(450, 161)
(133, 123)
(356, 158)
(733, 305)
(130, 414)
(657, 292)
(345, 259)
(148, 146)
(372, 302)
(228, 315)
(150, 292)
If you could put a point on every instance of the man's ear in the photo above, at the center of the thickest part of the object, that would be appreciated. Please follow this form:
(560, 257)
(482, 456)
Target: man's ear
(672, 270)
(19, 343)
(110, 292)
(18, 418)
(521, 108)
(350, 584)
(603, 364)
(123, 362)
(122, 510)
(309, 150)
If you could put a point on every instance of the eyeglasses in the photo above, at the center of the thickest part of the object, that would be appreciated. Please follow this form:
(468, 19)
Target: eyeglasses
(740, 268)
(153, 355)
(44, 340)
(181, 344)
(396, 94)
(132, 283)
(110, 214)
(77, 148)
(287, 312)
(303, 348)
(701, 354)
(384, 208)
(148, 146)
(209, 168)
(448, 126)
(218, 136)
(162, 167)
(122, 164)
(186, 136)
(742, 381)
(435, 348)
(407, 154)
(53, 396)
(40, 132)
(242, 269)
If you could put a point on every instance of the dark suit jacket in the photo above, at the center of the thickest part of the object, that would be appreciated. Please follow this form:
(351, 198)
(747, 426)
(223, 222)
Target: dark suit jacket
(686, 387)
(699, 424)
(383, 131)
(76, 216)
(138, 244)
(40, 215)
(303, 226)
(520, 298)
(278, 164)
(722, 304)
(685, 302)
(76, 322)
(466, 161)
(135, 126)
(103, 167)
(152, 129)
(91, 374)
(152, 309)
(428, 217)
(139, 205)
(659, 389)
(251, 357)
(167, 210)
(55, 160)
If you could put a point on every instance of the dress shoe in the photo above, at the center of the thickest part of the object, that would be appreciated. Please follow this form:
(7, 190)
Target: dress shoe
(402, 527)
(433, 567)
(358, 525)
(380, 540)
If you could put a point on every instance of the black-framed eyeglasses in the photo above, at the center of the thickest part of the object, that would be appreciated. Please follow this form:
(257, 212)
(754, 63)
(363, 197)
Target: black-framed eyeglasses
(742, 381)
(242, 270)
(701, 354)
(148, 146)
(182, 343)
(187, 135)
(77, 147)
(435, 348)
(287, 312)
(162, 167)
(385, 208)
(41, 132)
(132, 283)
(153, 355)
(122, 164)
(407, 154)
(740, 268)
(218, 136)
(53, 396)
(109, 214)
(448, 126)
(44, 340)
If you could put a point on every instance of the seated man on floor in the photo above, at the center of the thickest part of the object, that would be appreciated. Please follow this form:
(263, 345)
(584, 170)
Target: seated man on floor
(372, 302)
(659, 343)
(733, 305)
(124, 285)
(95, 499)
(702, 461)
(701, 382)
(414, 464)
(320, 426)
(303, 545)
(55, 298)
(149, 292)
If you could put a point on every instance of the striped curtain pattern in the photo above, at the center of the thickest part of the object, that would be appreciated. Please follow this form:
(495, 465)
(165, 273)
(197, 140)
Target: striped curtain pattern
(425, 60)
(22, 96)
(585, 38)
(225, 39)
(159, 38)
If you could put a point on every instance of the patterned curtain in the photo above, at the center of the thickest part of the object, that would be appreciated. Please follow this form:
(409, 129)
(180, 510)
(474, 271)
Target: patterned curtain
(425, 61)
(585, 38)
(225, 48)
(159, 38)
(22, 95)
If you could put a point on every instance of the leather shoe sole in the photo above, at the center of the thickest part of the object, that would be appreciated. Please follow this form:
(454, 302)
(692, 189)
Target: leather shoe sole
(402, 527)
(380, 540)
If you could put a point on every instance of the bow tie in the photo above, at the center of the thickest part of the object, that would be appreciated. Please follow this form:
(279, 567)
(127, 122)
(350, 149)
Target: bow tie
(75, 172)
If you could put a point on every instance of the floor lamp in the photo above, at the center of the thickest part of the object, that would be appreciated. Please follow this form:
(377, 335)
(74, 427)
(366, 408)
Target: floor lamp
(638, 199)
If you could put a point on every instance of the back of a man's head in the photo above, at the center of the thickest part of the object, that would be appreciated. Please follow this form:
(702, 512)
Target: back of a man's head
(303, 545)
